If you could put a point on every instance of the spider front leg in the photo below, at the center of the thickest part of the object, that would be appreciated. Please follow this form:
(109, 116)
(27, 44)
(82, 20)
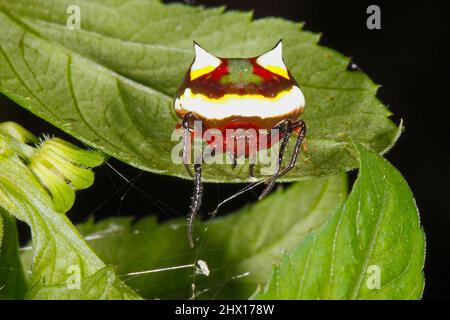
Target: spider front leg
(197, 194)
(300, 128)
(187, 140)
(285, 128)
(196, 202)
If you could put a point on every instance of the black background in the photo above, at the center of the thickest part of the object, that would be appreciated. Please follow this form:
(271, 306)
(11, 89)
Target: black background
(406, 57)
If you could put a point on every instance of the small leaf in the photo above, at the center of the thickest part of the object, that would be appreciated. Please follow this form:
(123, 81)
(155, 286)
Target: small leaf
(238, 249)
(111, 84)
(372, 248)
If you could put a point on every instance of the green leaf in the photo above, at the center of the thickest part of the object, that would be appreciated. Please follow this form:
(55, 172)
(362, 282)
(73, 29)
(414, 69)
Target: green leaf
(375, 233)
(12, 278)
(239, 249)
(63, 265)
(111, 83)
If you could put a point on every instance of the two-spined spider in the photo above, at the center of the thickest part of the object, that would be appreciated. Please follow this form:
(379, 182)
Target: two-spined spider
(240, 93)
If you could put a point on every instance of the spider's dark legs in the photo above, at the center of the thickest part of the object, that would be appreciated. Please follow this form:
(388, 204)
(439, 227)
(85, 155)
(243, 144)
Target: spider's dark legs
(187, 141)
(285, 128)
(196, 201)
(234, 164)
(300, 128)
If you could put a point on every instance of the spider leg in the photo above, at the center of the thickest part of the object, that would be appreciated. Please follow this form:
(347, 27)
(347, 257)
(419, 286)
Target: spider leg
(301, 127)
(196, 199)
(234, 164)
(187, 140)
(235, 195)
(286, 131)
(196, 202)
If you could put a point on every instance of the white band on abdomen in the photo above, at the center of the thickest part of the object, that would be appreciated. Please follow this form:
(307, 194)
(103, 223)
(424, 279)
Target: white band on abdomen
(241, 105)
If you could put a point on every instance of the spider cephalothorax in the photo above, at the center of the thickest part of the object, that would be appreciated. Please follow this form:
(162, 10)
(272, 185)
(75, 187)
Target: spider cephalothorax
(240, 93)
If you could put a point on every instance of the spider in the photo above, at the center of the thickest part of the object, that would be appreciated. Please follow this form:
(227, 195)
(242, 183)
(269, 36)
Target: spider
(239, 93)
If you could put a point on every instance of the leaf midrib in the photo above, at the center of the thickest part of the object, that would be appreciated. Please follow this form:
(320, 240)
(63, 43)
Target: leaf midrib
(374, 239)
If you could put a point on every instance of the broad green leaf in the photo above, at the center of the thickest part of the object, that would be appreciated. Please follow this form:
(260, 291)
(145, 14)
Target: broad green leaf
(12, 278)
(239, 249)
(63, 265)
(375, 235)
(111, 83)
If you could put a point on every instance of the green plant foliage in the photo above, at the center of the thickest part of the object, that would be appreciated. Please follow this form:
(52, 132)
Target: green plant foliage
(111, 83)
(377, 229)
(239, 249)
(57, 162)
(63, 266)
(12, 278)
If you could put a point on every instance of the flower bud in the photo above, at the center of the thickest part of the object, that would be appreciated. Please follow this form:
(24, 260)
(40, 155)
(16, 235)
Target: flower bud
(63, 168)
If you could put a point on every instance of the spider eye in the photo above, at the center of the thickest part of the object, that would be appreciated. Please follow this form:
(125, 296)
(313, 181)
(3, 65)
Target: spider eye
(204, 62)
(273, 61)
